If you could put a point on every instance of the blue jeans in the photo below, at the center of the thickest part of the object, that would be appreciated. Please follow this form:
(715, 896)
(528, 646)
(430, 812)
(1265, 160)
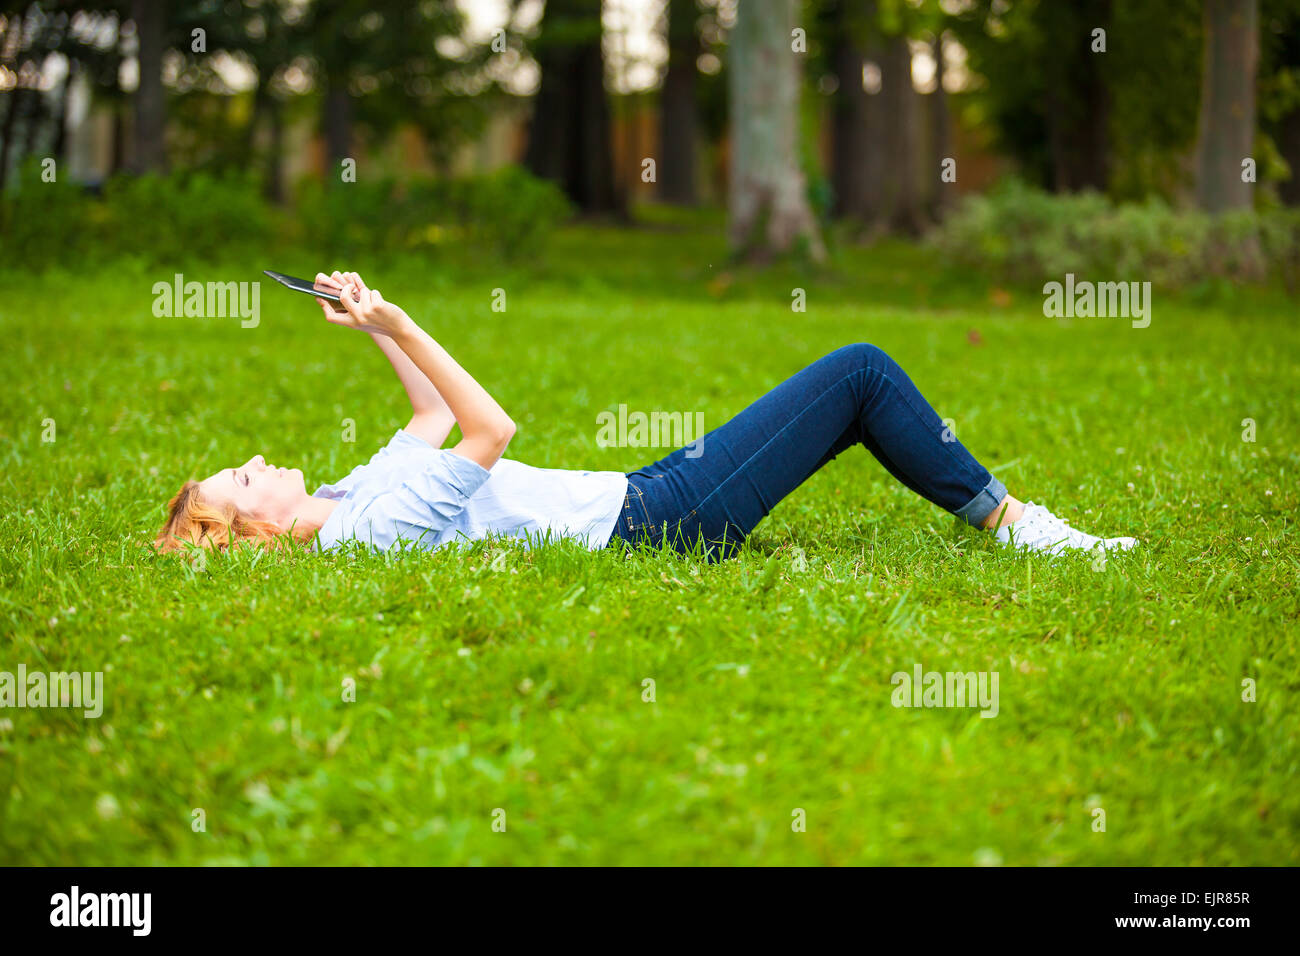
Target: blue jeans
(737, 473)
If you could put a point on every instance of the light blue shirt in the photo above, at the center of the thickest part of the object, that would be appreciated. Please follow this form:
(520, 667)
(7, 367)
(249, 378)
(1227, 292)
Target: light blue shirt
(412, 492)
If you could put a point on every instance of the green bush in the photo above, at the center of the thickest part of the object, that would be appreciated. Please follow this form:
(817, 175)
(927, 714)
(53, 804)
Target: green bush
(1022, 234)
(507, 213)
(155, 219)
(197, 215)
(163, 220)
(44, 223)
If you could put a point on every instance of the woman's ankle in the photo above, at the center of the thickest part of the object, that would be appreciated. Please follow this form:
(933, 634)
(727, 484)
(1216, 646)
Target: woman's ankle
(1009, 509)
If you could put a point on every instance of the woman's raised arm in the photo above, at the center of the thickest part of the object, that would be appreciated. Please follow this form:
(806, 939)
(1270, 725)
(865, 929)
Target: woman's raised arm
(431, 417)
(485, 427)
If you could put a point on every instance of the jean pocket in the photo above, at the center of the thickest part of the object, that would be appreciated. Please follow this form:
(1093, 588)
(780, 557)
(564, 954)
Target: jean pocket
(635, 515)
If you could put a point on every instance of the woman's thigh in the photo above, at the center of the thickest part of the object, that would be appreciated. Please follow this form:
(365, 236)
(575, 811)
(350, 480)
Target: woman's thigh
(719, 488)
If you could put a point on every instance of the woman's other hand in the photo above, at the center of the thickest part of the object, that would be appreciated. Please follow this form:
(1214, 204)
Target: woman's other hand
(366, 308)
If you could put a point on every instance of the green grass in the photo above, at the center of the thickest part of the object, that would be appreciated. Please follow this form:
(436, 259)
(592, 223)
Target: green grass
(502, 678)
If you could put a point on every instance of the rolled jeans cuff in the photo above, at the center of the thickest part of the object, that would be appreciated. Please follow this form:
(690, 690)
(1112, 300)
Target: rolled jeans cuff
(976, 511)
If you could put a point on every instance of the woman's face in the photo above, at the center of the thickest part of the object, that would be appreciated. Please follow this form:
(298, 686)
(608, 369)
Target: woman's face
(258, 490)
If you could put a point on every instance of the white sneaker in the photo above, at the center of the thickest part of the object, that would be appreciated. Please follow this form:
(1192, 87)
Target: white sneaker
(1040, 530)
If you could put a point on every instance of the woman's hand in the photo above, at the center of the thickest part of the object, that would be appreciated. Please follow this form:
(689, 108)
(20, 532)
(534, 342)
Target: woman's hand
(439, 388)
(366, 308)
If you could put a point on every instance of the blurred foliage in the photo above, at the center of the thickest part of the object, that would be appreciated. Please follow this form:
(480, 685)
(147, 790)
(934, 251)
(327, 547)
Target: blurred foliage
(507, 213)
(198, 215)
(1022, 55)
(1023, 234)
(152, 218)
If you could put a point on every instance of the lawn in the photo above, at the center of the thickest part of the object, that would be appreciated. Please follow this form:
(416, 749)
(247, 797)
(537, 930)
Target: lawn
(497, 683)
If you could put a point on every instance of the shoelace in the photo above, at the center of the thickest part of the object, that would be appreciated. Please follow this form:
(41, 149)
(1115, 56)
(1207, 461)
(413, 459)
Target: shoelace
(1046, 527)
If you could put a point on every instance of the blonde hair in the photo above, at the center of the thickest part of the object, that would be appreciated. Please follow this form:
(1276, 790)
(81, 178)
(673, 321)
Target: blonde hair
(193, 520)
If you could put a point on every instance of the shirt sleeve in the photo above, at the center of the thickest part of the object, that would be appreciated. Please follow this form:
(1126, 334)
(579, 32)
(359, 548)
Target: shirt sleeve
(431, 492)
(402, 442)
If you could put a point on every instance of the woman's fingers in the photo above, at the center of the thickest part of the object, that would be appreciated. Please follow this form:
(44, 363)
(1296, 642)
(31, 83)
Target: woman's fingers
(362, 293)
(333, 317)
(339, 279)
(348, 296)
(360, 302)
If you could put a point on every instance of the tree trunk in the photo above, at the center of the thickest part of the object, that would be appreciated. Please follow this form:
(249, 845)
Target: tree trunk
(590, 179)
(117, 149)
(1287, 57)
(59, 148)
(6, 127)
(150, 153)
(849, 134)
(940, 139)
(336, 120)
(1288, 144)
(679, 115)
(1077, 101)
(902, 119)
(274, 181)
(13, 105)
(1227, 120)
(767, 199)
(570, 138)
(551, 131)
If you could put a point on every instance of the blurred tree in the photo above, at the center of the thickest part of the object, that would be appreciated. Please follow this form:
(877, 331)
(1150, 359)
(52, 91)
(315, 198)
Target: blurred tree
(1279, 88)
(712, 98)
(1227, 125)
(30, 35)
(272, 43)
(569, 139)
(150, 102)
(381, 63)
(14, 49)
(901, 121)
(332, 24)
(1078, 102)
(1074, 117)
(882, 176)
(96, 44)
(768, 203)
(1155, 96)
(857, 143)
(268, 36)
(940, 141)
(1048, 79)
(679, 110)
(391, 62)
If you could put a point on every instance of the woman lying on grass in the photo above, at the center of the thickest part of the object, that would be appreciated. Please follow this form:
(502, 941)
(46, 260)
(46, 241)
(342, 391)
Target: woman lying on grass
(714, 491)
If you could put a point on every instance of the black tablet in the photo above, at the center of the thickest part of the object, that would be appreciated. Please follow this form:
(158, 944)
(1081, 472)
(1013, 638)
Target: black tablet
(303, 285)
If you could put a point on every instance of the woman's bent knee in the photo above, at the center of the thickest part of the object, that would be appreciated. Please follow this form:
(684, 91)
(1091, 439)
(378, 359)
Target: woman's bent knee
(865, 355)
